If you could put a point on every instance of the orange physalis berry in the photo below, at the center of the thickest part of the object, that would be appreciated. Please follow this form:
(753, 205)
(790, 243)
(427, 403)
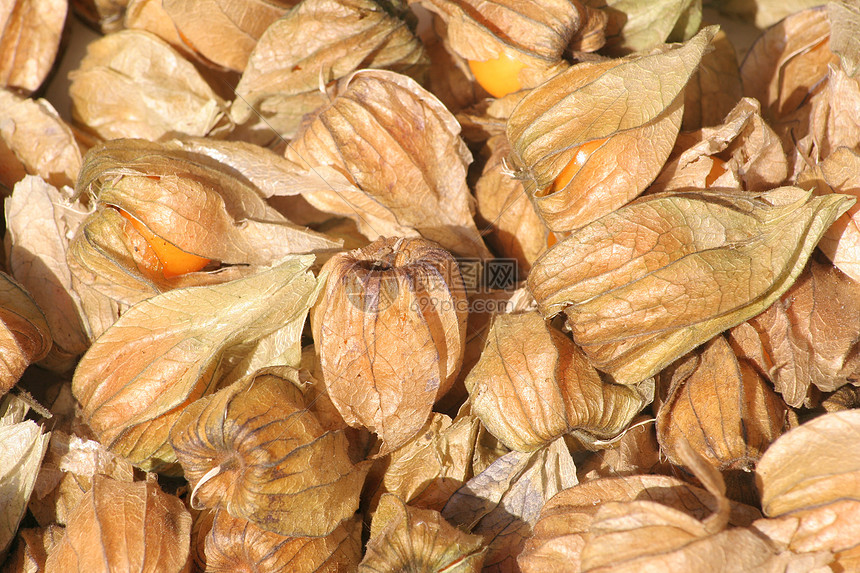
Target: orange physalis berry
(572, 168)
(500, 76)
(174, 261)
(551, 239)
(718, 167)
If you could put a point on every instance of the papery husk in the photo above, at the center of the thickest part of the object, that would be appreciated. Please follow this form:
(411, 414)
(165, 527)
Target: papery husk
(632, 103)
(104, 15)
(39, 221)
(515, 229)
(174, 348)
(844, 19)
(122, 526)
(34, 140)
(723, 409)
(428, 469)
(134, 84)
(235, 544)
(317, 43)
(808, 339)
(638, 26)
(503, 502)
(31, 549)
(812, 465)
(29, 39)
(839, 173)
(66, 475)
(714, 88)
(389, 330)
(278, 468)
(23, 444)
(832, 115)
(394, 162)
(764, 13)
(535, 34)
(743, 146)
(634, 452)
(576, 527)
(24, 334)
(448, 77)
(406, 538)
(533, 385)
(648, 283)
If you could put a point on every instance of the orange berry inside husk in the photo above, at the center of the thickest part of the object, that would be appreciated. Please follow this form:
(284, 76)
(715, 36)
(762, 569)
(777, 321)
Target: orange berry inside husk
(174, 261)
(718, 167)
(500, 76)
(583, 152)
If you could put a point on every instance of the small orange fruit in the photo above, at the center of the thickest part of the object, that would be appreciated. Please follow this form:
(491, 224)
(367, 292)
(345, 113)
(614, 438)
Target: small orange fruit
(500, 76)
(174, 261)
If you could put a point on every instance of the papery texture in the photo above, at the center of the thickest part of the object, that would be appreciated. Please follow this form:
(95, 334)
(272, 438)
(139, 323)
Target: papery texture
(405, 538)
(637, 25)
(233, 544)
(29, 39)
(256, 450)
(169, 350)
(24, 334)
(592, 138)
(653, 280)
(389, 331)
(133, 84)
(122, 526)
(394, 161)
(316, 43)
(33, 546)
(533, 385)
(715, 87)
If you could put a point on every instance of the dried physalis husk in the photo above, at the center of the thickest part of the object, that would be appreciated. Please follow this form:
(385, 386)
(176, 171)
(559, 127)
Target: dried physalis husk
(40, 219)
(832, 115)
(163, 213)
(318, 42)
(639, 25)
(808, 480)
(764, 13)
(35, 140)
(430, 467)
(808, 338)
(743, 153)
(510, 45)
(634, 452)
(133, 84)
(29, 39)
(715, 88)
(32, 548)
(235, 544)
(839, 173)
(565, 524)
(533, 385)
(592, 138)
(23, 445)
(104, 15)
(66, 475)
(722, 408)
(844, 18)
(221, 33)
(121, 526)
(393, 160)
(389, 330)
(405, 538)
(649, 282)
(503, 502)
(24, 334)
(516, 230)
(169, 350)
(787, 63)
(256, 450)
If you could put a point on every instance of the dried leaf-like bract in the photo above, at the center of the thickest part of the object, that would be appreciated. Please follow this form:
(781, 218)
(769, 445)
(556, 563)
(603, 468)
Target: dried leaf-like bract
(133, 84)
(532, 385)
(405, 538)
(394, 162)
(30, 34)
(122, 526)
(592, 138)
(256, 450)
(390, 330)
(169, 350)
(318, 42)
(649, 282)
(237, 545)
(24, 334)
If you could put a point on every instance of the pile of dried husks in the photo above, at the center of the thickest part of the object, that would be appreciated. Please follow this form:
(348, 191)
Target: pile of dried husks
(443, 285)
